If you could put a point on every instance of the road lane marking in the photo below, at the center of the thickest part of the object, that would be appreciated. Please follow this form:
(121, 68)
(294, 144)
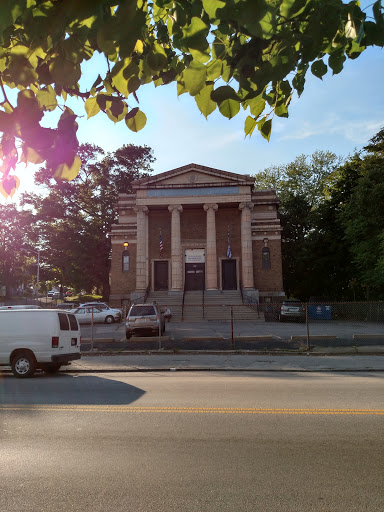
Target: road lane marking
(196, 410)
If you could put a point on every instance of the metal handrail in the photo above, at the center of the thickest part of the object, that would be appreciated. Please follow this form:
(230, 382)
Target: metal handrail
(203, 302)
(241, 292)
(147, 290)
(182, 304)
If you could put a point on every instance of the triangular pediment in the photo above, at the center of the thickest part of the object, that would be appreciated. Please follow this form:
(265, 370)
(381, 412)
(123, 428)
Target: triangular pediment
(193, 175)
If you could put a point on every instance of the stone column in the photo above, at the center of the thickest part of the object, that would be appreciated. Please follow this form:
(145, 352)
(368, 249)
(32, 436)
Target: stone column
(141, 248)
(176, 253)
(211, 257)
(246, 245)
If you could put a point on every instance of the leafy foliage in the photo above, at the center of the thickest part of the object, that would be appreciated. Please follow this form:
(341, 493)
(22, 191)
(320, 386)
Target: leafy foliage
(73, 218)
(363, 220)
(15, 263)
(332, 217)
(228, 54)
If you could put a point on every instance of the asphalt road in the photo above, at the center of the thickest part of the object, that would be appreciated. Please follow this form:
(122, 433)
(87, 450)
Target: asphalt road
(192, 442)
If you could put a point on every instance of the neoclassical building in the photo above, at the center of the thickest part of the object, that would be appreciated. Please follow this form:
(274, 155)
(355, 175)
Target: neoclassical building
(195, 228)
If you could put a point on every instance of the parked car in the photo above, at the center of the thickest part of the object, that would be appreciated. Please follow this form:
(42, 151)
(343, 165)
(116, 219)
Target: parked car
(53, 295)
(40, 338)
(67, 305)
(84, 315)
(292, 310)
(103, 306)
(22, 306)
(144, 319)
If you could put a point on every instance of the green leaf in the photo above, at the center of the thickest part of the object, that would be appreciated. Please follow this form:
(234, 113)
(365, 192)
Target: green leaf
(292, 8)
(118, 78)
(214, 69)
(68, 172)
(47, 98)
(9, 185)
(157, 58)
(265, 128)
(31, 155)
(223, 93)
(137, 122)
(195, 35)
(281, 110)
(257, 105)
(336, 61)
(212, 6)
(91, 107)
(229, 108)
(194, 78)
(116, 110)
(64, 72)
(204, 102)
(319, 69)
(132, 113)
(133, 84)
(249, 125)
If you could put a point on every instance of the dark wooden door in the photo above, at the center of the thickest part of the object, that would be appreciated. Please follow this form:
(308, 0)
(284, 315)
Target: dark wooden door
(194, 276)
(228, 269)
(161, 275)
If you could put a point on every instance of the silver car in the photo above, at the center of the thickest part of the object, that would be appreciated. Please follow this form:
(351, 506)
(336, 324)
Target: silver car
(144, 319)
(87, 314)
(104, 307)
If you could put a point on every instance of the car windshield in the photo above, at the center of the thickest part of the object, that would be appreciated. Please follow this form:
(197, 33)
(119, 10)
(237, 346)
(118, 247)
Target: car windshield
(142, 310)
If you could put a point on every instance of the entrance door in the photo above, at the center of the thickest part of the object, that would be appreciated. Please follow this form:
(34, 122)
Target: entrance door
(194, 276)
(161, 275)
(228, 269)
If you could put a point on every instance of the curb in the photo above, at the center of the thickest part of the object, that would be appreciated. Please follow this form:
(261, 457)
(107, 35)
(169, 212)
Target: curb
(214, 369)
(222, 353)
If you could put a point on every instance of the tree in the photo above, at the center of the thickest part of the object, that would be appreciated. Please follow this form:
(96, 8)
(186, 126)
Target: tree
(227, 54)
(363, 219)
(73, 218)
(15, 264)
(302, 187)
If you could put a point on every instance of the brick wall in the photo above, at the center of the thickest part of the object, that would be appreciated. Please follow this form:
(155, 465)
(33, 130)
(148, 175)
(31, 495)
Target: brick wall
(122, 283)
(270, 280)
(193, 224)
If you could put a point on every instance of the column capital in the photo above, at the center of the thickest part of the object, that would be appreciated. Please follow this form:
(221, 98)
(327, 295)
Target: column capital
(209, 206)
(242, 206)
(177, 207)
(137, 209)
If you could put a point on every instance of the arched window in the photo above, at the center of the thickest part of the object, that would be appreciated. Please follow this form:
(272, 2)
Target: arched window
(266, 257)
(125, 259)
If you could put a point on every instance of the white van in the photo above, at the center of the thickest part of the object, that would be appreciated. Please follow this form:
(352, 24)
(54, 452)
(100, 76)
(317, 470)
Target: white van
(38, 338)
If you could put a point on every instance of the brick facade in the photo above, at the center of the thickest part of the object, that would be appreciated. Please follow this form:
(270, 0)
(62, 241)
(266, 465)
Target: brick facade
(178, 203)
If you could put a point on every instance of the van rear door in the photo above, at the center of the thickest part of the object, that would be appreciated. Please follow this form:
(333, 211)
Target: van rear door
(69, 337)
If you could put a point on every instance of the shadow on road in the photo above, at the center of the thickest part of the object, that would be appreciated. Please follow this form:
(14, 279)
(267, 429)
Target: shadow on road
(66, 390)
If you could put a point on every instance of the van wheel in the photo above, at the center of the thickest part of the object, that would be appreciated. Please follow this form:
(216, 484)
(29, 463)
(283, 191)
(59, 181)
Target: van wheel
(109, 320)
(23, 365)
(51, 368)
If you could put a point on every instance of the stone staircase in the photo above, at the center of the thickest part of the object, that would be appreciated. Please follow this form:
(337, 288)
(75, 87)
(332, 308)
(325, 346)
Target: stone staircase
(217, 306)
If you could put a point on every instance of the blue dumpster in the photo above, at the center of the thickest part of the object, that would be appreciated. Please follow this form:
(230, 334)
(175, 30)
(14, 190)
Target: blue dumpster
(319, 312)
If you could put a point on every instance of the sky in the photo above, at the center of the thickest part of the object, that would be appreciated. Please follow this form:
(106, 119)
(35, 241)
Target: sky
(339, 113)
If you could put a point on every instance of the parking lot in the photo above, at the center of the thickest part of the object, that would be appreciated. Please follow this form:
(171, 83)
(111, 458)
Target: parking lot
(326, 333)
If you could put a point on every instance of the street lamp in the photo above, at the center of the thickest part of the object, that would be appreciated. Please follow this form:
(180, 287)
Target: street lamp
(38, 266)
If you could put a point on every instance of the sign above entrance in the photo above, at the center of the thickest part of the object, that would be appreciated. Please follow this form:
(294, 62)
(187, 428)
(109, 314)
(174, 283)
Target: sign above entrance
(195, 256)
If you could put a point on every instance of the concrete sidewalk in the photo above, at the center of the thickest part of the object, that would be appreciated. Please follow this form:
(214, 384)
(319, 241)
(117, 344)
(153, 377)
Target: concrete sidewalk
(161, 361)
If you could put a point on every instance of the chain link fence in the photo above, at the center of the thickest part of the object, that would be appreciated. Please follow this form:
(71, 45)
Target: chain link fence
(303, 326)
